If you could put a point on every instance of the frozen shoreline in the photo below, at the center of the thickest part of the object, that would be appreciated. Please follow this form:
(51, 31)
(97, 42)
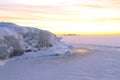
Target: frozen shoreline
(16, 40)
(91, 62)
(94, 63)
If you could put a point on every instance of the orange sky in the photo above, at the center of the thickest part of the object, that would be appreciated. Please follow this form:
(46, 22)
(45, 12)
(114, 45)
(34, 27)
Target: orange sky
(85, 17)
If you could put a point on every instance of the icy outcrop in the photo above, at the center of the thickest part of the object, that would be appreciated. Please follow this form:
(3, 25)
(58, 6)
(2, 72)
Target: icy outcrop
(11, 43)
(36, 38)
(15, 40)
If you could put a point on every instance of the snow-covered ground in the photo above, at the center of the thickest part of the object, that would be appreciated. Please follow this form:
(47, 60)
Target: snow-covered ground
(95, 59)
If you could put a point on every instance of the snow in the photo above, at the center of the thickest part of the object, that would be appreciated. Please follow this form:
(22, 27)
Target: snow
(15, 40)
(96, 58)
(89, 64)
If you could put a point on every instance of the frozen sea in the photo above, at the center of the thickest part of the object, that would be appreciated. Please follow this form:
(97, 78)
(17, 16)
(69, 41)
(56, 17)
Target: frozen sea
(95, 40)
(96, 58)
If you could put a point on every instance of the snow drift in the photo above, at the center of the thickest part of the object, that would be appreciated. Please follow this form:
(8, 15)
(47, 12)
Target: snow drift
(16, 40)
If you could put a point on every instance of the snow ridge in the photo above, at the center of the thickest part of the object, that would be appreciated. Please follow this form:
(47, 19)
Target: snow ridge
(16, 40)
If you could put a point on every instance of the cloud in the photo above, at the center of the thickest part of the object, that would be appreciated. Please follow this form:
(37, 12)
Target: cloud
(67, 10)
(7, 1)
(93, 6)
(108, 19)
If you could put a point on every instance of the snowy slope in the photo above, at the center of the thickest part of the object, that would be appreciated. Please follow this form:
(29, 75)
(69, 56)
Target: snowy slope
(92, 62)
(16, 40)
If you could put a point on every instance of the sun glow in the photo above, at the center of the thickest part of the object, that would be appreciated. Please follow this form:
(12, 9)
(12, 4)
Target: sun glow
(84, 17)
(83, 28)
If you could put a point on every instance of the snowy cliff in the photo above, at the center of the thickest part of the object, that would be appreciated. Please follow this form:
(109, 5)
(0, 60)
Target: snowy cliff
(16, 40)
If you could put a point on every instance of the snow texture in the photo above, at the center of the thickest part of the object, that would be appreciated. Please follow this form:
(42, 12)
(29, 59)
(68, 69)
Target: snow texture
(16, 40)
(90, 63)
(97, 60)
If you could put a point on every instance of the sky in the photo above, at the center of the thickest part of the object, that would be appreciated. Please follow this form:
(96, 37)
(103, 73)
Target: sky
(84, 17)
